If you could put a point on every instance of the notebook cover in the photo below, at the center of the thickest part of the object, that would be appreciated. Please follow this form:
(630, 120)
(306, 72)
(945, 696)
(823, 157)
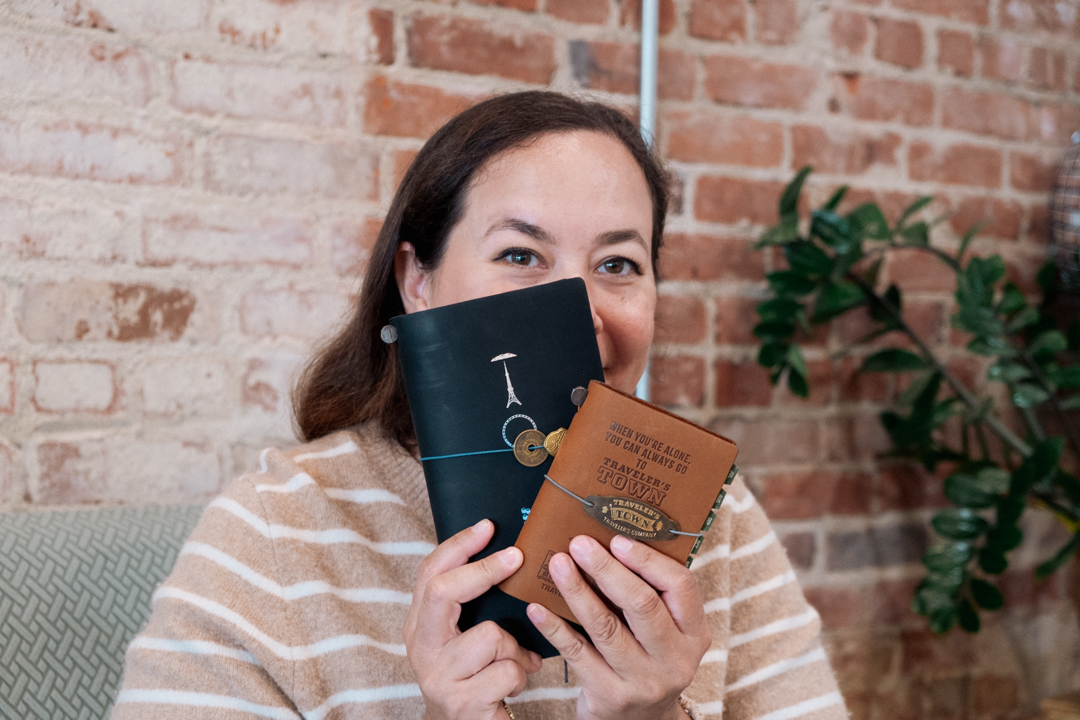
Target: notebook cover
(474, 372)
(621, 447)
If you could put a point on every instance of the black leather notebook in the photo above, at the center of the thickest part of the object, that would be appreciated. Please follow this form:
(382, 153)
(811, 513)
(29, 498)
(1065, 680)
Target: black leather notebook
(478, 374)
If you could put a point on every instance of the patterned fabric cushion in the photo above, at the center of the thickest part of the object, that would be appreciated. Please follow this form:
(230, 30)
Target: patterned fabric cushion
(74, 589)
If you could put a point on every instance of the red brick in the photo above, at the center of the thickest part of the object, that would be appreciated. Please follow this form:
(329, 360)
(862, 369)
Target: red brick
(820, 377)
(1001, 217)
(899, 42)
(986, 114)
(800, 549)
(1038, 224)
(141, 16)
(403, 159)
(94, 233)
(616, 67)
(994, 694)
(287, 312)
(580, 11)
(475, 47)
(956, 52)
(1035, 15)
(855, 386)
(777, 21)
(677, 381)
(723, 138)
(1021, 589)
(7, 390)
(849, 31)
(772, 441)
(406, 110)
(708, 257)
(838, 607)
(216, 237)
(924, 317)
(803, 495)
(883, 99)
(631, 15)
(744, 81)
(742, 384)
(890, 602)
(250, 165)
(381, 23)
(62, 386)
(269, 380)
(1057, 122)
(892, 203)
(351, 243)
(906, 486)
(526, 5)
(258, 91)
(1001, 59)
(842, 151)
(735, 320)
(917, 270)
(7, 474)
(1031, 172)
(680, 319)
(69, 67)
(70, 473)
(732, 200)
(718, 19)
(95, 311)
(973, 11)
(185, 387)
(186, 470)
(959, 164)
(859, 437)
(321, 29)
(1046, 69)
(92, 151)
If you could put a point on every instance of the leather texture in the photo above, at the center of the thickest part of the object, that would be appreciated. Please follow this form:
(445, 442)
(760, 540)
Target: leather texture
(619, 446)
(75, 588)
(477, 374)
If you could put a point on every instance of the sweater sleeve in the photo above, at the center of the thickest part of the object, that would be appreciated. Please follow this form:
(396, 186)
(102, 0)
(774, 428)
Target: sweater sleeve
(766, 662)
(218, 639)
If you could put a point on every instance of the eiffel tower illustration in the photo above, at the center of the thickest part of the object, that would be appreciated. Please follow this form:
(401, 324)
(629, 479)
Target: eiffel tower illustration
(511, 398)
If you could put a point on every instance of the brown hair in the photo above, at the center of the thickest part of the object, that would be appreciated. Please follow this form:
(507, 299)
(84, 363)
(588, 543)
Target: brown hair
(355, 377)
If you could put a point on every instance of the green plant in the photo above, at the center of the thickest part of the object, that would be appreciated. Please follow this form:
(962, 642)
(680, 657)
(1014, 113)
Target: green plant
(832, 269)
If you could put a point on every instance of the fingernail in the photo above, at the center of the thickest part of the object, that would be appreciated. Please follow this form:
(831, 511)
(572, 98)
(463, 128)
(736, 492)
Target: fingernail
(536, 613)
(621, 543)
(535, 657)
(582, 544)
(510, 556)
(481, 527)
(559, 566)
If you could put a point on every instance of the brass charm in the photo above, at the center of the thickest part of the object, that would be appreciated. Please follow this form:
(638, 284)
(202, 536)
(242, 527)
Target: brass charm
(553, 441)
(631, 518)
(529, 448)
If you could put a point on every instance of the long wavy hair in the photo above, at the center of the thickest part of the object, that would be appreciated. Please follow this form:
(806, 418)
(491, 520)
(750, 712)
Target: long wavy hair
(355, 377)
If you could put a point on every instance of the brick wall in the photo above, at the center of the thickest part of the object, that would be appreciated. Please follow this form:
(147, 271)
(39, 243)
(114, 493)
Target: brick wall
(188, 190)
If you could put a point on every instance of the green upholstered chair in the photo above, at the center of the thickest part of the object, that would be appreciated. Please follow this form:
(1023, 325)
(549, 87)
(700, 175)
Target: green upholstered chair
(75, 587)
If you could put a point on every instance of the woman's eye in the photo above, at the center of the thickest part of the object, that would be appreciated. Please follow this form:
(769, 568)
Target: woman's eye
(620, 266)
(519, 256)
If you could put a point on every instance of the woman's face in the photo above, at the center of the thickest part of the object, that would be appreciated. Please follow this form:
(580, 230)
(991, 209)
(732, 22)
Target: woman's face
(572, 204)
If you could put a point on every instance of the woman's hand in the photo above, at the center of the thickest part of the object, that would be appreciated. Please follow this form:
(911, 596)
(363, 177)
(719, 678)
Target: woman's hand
(635, 672)
(464, 674)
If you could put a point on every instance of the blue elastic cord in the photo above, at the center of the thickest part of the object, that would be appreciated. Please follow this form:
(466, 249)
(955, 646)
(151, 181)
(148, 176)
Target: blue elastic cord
(478, 452)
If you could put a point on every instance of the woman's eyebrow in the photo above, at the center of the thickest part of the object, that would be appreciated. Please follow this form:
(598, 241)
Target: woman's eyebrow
(613, 237)
(535, 232)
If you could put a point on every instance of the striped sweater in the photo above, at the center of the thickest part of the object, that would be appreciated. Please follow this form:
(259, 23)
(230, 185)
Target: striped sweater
(289, 598)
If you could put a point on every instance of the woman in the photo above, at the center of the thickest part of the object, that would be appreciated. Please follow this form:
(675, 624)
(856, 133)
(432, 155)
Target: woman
(294, 594)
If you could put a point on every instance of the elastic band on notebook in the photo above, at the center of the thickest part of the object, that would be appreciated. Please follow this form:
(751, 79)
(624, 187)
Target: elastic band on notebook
(478, 452)
(586, 502)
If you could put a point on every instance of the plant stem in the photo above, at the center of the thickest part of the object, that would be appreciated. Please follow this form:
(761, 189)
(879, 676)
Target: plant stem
(970, 400)
(1055, 402)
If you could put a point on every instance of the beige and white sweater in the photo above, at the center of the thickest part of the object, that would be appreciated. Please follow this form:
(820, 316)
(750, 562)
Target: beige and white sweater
(289, 599)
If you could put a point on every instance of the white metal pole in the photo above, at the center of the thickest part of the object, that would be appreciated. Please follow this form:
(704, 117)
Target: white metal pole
(650, 30)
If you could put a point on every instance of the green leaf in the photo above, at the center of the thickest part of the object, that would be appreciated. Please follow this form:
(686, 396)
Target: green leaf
(1007, 372)
(834, 200)
(833, 230)
(797, 383)
(959, 524)
(991, 347)
(1074, 335)
(1060, 558)
(807, 258)
(917, 233)
(930, 598)
(966, 491)
(986, 595)
(781, 308)
(914, 389)
(796, 361)
(1046, 456)
(1068, 378)
(1011, 300)
(789, 200)
(993, 479)
(943, 557)
(867, 220)
(1027, 316)
(914, 208)
(1025, 395)
(977, 319)
(772, 354)
(1047, 343)
(781, 233)
(968, 237)
(836, 299)
(774, 330)
(967, 617)
(992, 562)
(787, 282)
(893, 360)
(1004, 538)
(1070, 484)
(1071, 403)
(1010, 509)
(942, 621)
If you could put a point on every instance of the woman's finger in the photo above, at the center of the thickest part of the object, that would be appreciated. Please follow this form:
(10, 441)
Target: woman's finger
(454, 552)
(440, 604)
(482, 645)
(588, 663)
(676, 584)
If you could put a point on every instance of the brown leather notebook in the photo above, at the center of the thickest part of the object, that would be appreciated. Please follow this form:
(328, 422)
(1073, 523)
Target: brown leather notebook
(636, 470)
